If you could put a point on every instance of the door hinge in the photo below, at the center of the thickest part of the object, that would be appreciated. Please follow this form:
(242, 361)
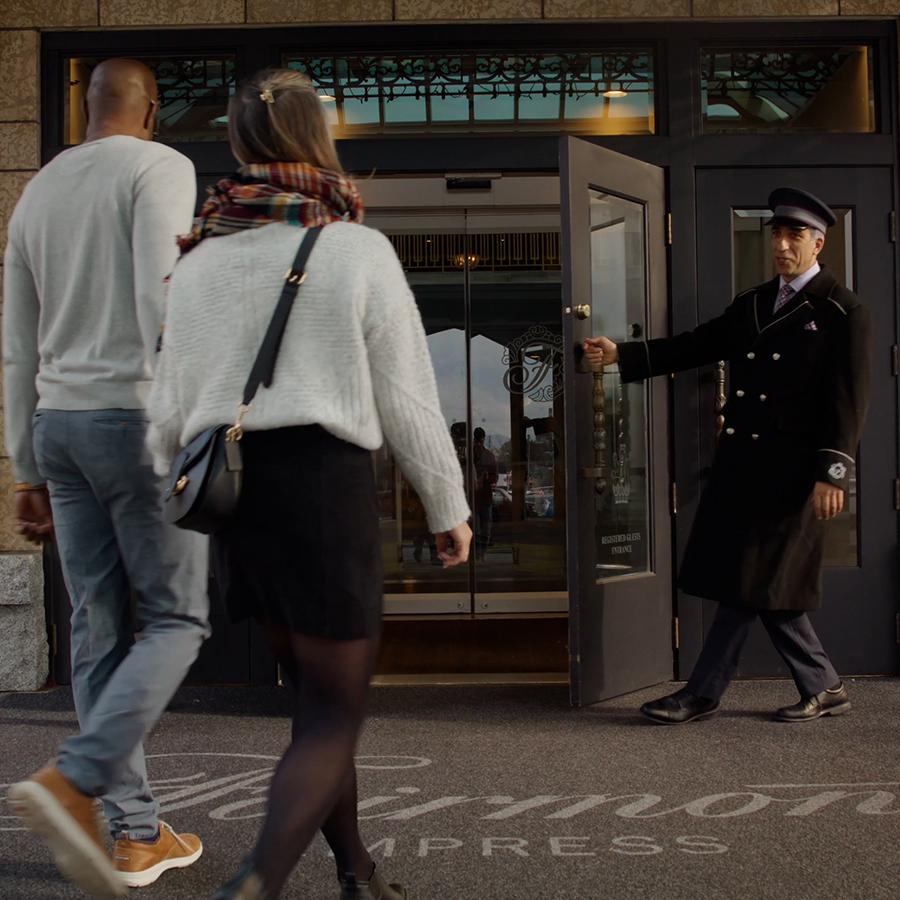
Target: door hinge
(673, 499)
(676, 632)
(895, 360)
(892, 227)
(669, 228)
(897, 494)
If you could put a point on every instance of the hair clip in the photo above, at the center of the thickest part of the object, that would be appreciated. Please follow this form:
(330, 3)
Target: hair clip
(267, 96)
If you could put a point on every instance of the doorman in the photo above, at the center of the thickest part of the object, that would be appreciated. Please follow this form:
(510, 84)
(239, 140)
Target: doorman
(798, 348)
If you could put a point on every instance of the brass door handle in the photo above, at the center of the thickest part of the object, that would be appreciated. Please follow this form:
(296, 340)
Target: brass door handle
(582, 311)
(600, 469)
(721, 396)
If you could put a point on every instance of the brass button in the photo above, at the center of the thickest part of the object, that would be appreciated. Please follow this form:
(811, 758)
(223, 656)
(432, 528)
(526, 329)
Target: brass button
(739, 393)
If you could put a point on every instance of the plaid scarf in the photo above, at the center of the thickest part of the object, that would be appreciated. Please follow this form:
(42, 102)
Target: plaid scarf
(260, 193)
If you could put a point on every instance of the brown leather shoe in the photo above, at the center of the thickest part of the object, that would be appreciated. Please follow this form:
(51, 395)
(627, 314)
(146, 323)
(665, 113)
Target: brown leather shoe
(52, 807)
(140, 863)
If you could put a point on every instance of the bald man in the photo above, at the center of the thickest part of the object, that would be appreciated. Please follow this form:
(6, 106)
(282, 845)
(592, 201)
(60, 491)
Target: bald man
(90, 245)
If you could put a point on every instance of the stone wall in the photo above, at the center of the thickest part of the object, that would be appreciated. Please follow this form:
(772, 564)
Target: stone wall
(23, 641)
(23, 651)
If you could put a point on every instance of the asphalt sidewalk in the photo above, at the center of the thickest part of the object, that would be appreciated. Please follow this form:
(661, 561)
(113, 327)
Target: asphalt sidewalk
(507, 793)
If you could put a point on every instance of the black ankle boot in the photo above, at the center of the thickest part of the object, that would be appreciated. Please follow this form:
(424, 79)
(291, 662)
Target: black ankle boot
(374, 889)
(246, 885)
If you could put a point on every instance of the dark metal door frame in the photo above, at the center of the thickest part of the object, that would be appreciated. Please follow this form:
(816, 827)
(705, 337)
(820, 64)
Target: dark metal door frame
(859, 642)
(675, 46)
(679, 145)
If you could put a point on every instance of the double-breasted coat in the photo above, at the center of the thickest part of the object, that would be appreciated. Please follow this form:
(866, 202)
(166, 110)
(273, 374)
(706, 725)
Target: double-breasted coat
(798, 395)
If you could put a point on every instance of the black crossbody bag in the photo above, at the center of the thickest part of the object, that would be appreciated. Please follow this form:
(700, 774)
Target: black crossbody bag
(205, 480)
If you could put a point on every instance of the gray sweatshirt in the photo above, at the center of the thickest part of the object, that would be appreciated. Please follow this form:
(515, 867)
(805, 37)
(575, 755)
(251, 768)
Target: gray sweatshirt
(91, 242)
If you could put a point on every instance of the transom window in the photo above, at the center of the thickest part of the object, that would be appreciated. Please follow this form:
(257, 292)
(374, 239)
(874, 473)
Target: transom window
(604, 92)
(193, 96)
(825, 89)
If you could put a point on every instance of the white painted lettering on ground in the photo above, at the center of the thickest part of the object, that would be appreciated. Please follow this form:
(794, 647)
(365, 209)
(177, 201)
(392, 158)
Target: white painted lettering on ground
(232, 787)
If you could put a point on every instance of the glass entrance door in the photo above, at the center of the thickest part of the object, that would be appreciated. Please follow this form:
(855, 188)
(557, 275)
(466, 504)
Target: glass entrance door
(486, 275)
(620, 609)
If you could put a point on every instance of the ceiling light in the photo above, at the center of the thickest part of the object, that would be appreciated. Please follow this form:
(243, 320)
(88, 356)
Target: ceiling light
(326, 98)
(615, 92)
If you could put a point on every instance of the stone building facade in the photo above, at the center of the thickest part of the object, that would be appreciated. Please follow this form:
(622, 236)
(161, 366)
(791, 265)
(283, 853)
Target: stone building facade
(23, 635)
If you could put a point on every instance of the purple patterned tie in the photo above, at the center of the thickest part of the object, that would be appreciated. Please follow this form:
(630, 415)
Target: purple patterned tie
(784, 295)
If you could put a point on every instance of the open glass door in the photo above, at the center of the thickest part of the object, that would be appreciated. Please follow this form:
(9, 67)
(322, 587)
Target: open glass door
(619, 553)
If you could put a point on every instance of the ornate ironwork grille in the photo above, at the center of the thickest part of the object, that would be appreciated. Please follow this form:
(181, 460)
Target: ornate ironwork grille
(607, 92)
(193, 96)
(515, 251)
(793, 89)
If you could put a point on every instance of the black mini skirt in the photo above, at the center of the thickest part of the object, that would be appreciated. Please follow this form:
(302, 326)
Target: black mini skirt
(304, 549)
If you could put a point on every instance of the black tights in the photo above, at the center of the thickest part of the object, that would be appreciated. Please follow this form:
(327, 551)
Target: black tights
(314, 785)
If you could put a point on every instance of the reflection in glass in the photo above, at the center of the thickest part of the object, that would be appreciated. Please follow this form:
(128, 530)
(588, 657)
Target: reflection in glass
(424, 245)
(825, 89)
(193, 96)
(752, 264)
(497, 354)
(618, 309)
(602, 92)
(516, 353)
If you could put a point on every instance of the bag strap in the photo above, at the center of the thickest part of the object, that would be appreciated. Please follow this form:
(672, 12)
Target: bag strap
(264, 366)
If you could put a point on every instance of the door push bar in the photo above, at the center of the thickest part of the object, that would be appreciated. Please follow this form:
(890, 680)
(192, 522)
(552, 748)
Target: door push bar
(600, 468)
(721, 396)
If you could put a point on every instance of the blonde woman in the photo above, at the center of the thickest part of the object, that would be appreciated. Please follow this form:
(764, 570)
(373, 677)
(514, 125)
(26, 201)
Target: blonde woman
(303, 556)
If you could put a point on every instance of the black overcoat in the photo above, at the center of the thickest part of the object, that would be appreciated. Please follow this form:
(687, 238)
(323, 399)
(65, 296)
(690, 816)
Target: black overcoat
(798, 394)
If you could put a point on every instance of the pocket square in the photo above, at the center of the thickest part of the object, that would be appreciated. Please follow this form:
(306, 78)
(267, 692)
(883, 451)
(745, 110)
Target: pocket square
(810, 326)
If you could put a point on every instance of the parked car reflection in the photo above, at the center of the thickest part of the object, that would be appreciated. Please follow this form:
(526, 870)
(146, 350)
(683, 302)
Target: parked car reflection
(539, 502)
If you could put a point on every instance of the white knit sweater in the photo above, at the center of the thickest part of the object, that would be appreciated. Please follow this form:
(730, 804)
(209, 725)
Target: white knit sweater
(354, 357)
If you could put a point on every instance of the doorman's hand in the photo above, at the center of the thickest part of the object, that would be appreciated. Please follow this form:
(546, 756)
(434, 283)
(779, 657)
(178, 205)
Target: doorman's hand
(827, 500)
(453, 545)
(34, 520)
(600, 351)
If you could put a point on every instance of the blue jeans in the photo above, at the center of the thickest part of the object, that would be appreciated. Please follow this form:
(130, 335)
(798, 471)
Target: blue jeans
(107, 512)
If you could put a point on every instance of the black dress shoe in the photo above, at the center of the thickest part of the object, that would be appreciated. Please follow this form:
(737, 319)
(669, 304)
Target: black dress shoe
(246, 885)
(679, 708)
(376, 888)
(833, 702)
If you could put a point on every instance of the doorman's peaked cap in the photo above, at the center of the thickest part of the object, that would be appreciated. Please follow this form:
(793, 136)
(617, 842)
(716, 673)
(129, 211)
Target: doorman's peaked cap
(791, 206)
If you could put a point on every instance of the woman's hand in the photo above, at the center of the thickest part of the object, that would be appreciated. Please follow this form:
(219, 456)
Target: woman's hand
(600, 351)
(453, 545)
